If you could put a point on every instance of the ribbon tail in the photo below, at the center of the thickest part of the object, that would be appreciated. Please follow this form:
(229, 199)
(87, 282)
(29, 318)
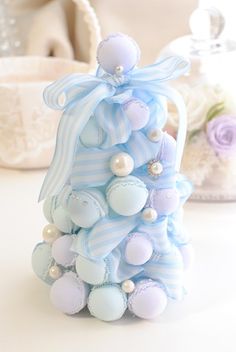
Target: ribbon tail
(167, 68)
(71, 125)
(177, 99)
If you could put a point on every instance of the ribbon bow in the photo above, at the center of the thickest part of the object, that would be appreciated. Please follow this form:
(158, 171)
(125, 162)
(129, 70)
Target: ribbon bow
(79, 95)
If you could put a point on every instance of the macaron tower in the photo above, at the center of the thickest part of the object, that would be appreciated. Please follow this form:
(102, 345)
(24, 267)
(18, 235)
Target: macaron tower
(113, 195)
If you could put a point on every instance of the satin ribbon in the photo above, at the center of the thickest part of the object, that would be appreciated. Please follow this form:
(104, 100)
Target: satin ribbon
(168, 269)
(80, 95)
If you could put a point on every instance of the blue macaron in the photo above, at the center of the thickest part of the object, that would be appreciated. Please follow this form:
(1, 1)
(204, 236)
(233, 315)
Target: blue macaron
(126, 195)
(86, 207)
(42, 261)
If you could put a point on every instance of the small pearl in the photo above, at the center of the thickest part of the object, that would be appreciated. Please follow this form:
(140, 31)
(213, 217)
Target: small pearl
(121, 164)
(128, 286)
(55, 272)
(51, 233)
(119, 70)
(149, 215)
(155, 135)
(155, 168)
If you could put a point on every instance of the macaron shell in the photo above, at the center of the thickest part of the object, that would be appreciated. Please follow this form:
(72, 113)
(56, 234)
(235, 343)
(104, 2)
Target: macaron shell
(41, 261)
(165, 201)
(148, 300)
(92, 135)
(62, 220)
(138, 249)
(61, 251)
(118, 50)
(69, 294)
(92, 272)
(85, 209)
(137, 113)
(127, 195)
(107, 302)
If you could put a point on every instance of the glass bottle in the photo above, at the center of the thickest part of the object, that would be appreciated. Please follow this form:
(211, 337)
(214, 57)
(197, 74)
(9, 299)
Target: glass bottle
(209, 159)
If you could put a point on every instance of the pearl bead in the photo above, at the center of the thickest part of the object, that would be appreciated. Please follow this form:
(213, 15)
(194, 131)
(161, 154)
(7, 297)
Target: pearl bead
(55, 272)
(51, 233)
(121, 164)
(119, 70)
(155, 168)
(128, 286)
(149, 215)
(155, 135)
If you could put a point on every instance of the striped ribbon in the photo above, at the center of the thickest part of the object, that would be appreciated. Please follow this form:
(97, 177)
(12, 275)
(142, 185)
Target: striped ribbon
(105, 235)
(80, 95)
(157, 232)
(91, 167)
(168, 269)
(118, 269)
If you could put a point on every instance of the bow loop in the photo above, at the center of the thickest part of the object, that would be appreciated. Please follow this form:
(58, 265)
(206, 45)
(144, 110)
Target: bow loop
(60, 94)
(163, 70)
(79, 96)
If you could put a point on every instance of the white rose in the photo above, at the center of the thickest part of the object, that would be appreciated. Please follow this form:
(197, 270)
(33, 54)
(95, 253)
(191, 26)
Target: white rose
(198, 100)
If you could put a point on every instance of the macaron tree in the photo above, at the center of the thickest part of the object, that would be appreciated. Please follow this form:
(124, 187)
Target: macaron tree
(113, 193)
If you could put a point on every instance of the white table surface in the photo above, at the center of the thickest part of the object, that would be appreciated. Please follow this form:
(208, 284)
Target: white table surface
(204, 321)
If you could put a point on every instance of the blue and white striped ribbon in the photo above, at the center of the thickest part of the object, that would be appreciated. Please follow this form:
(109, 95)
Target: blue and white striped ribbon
(141, 148)
(105, 235)
(157, 232)
(82, 95)
(111, 118)
(92, 167)
(119, 270)
(168, 269)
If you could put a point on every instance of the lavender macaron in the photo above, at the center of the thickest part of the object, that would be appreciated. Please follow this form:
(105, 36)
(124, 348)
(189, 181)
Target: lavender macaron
(69, 294)
(137, 113)
(138, 249)
(164, 201)
(148, 300)
(118, 50)
(61, 251)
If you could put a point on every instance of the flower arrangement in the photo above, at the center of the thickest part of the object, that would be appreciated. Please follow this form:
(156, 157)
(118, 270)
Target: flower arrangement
(211, 133)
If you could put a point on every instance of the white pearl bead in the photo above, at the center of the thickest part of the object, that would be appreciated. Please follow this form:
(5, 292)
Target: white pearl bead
(55, 272)
(149, 215)
(155, 135)
(121, 164)
(51, 233)
(155, 168)
(119, 70)
(128, 286)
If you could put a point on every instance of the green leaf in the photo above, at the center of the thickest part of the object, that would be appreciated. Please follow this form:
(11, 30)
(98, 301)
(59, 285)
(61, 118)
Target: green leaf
(215, 110)
(193, 134)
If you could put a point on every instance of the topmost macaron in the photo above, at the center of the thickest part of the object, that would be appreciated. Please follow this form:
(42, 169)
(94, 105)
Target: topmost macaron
(118, 53)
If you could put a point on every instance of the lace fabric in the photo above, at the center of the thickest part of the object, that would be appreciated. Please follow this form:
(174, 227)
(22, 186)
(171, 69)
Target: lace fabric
(25, 129)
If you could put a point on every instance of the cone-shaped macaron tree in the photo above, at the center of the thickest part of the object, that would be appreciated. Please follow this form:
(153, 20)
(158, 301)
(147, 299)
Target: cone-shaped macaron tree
(113, 195)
